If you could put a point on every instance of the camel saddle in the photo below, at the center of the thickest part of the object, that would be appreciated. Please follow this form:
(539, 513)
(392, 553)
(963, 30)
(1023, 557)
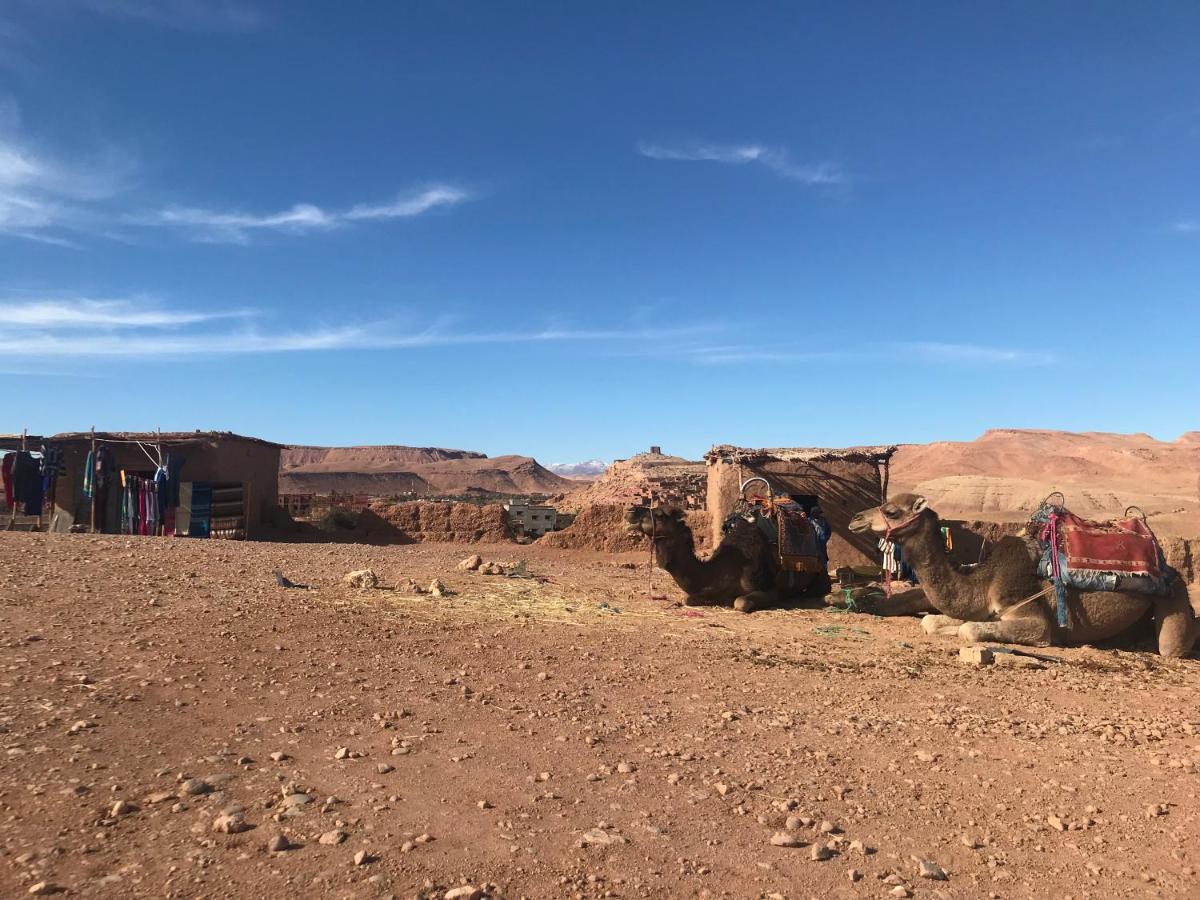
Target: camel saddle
(1121, 555)
(787, 527)
(1125, 546)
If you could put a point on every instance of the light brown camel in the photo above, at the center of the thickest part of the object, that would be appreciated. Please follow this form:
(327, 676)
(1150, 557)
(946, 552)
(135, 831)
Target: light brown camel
(985, 602)
(744, 569)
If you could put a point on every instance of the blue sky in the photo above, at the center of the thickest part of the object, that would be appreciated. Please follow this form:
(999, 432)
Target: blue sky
(574, 230)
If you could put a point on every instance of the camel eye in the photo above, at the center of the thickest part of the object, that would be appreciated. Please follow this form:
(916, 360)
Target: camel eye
(891, 512)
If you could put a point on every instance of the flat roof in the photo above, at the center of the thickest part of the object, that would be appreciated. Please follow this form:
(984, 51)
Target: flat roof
(13, 441)
(727, 453)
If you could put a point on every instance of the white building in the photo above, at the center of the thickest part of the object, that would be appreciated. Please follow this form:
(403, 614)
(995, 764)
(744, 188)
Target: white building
(532, 519)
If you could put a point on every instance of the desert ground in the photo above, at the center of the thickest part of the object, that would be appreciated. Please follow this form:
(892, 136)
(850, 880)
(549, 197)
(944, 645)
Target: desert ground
(175, 724)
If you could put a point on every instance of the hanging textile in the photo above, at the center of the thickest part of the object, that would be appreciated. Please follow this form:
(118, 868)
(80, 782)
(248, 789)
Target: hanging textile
(6, 466)
(53, 466)
(890, 553)
(201, 519)
(27, 483)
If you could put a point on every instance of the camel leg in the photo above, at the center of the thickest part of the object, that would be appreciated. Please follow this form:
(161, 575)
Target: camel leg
(937, 624)
(1022, 628)
(1176, 625)
(752, 600)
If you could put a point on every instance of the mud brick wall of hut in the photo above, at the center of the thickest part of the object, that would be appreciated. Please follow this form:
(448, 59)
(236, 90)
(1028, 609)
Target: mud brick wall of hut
(844, 488)
(220, 459)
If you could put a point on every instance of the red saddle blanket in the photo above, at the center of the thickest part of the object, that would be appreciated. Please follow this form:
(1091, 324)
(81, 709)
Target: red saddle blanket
(1126, 546)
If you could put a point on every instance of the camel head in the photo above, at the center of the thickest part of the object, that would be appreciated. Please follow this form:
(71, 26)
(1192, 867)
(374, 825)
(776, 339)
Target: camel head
(900, 515)
(661, 522)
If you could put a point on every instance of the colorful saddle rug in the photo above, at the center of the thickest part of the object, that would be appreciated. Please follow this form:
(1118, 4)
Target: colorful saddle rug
(1122, 555)
(1125, 546)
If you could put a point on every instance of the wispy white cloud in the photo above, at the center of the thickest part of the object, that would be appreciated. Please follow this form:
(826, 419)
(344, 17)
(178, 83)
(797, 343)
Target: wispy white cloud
(1186, 226)
(44, 197)
(237, 227)
(918, 352)
(933, 351)
(110, 314)
(204, 15)
(776, 159)
(47, 198)
(141, 328)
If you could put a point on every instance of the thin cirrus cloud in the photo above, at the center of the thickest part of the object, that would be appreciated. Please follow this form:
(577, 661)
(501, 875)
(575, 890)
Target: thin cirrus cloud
(917, 352)
(137, 328)
(238, 227)
(43, 198)
(105, 314)
(199, 15)
(774, 159)
(1186, 226)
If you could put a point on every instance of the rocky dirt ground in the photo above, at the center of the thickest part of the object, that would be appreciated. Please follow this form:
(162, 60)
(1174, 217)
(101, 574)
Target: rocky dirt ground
(175, 724)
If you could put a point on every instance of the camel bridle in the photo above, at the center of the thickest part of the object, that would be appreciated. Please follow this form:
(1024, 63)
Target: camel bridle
(891, 529)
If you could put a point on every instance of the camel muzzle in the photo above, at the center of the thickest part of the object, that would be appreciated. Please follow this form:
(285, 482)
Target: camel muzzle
(860, 524)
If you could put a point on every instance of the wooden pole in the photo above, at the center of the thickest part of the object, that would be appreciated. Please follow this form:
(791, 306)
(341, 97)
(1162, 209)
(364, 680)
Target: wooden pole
(93, 480)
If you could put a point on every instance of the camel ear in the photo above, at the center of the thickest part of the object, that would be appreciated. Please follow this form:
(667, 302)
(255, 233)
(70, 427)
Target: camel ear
(919, 504)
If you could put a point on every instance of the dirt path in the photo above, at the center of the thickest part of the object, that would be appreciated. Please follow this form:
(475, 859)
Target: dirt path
(561, 739)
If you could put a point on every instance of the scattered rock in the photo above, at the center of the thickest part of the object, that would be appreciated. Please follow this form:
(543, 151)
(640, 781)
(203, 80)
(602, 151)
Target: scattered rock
(195, 787)
(45, 888)
(293, 803)
(384, 768)
(279, 843)
(598, 837)
(976, 656)
(279, 756)
(820, 852)
(331, 838)
(362, 858)
(931, 870)
(471, 563)
(465, 892)
(363, 578)
(783, 839)
(158, 797)
(437, 589)
(230, 822)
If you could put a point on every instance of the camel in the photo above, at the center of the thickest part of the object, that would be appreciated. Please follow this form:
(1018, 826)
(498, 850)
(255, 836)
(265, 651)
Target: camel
(744, 568)
(990, 602)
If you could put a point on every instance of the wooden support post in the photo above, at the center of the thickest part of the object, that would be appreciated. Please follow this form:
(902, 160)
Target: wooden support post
(93, 480)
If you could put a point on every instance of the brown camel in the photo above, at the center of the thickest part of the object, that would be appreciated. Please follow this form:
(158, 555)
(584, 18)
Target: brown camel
(743, 569)
(989, 602)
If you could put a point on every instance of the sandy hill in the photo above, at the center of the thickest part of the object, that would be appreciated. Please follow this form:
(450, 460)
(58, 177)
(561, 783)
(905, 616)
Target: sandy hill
(386, 470)
(1004, 474)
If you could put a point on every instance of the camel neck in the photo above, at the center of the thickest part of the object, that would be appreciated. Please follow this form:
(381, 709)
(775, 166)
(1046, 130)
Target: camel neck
(676, 554)
(945, 586)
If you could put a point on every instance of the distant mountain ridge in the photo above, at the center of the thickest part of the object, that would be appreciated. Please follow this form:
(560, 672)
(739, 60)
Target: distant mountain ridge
(398, 469)
(587, 470)
(1005, 473)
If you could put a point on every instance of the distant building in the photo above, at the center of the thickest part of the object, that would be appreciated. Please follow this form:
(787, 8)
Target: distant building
(530, 519)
